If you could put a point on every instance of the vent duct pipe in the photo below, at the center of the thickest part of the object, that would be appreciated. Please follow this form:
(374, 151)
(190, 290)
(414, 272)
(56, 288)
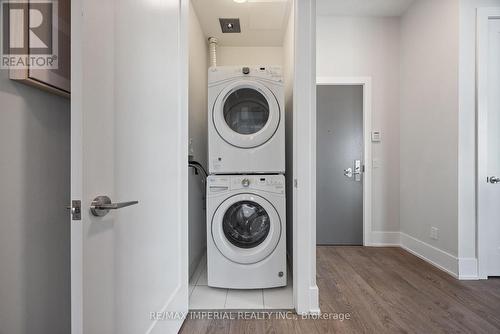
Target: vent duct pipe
(212, 47)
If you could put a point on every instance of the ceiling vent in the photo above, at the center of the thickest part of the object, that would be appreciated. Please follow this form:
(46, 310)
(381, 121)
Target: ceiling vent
(230, 25)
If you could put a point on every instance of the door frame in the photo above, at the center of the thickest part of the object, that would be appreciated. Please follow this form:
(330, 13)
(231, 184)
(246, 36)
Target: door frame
(483, 17)
(76, 103)
(305, 289)
(366, 83)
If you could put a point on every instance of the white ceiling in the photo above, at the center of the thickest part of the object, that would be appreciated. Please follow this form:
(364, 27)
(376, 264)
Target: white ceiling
(263, 22)
(362, 7)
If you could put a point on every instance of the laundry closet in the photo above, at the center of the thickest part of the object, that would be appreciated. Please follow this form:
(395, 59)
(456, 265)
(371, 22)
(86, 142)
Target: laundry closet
(240, 154)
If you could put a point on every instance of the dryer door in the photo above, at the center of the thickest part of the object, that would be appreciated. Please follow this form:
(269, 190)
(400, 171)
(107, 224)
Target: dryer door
(246, 228)
(246, 114)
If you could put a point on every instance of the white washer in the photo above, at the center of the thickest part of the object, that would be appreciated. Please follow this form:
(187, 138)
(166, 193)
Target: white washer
(246, 231)
(246, 123)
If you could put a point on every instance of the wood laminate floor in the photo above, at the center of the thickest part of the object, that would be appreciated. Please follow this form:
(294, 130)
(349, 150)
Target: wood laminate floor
(384, 290)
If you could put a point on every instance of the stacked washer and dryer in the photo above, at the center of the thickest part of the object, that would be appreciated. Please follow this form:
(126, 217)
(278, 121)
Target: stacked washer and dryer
(246, 227)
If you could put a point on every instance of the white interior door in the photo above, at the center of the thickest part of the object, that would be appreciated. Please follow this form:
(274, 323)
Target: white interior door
(129, 142)
(492, 141)
(488, 141)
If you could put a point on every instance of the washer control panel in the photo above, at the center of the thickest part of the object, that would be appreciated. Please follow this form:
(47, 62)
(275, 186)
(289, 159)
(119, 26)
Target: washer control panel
(271, 183)
(224, 183)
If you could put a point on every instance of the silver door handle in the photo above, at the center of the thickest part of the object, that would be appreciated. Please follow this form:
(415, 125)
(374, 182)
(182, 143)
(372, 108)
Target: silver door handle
(494, 179)
(348, 172)
(101, 205)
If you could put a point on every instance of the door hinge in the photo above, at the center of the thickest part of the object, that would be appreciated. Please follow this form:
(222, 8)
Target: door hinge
(76, 210)
(295, 183)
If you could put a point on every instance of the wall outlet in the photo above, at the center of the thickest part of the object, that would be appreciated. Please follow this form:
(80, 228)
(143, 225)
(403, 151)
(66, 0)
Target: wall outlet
(434, 233)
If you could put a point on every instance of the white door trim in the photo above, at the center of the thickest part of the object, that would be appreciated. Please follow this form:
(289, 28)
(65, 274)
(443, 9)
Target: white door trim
(483, 17)
(76, 241)
(305, 290)
(183, 76)
(366, 82)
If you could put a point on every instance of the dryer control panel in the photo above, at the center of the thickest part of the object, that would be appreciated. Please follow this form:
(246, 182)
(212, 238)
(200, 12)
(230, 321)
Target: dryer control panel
(224, 183)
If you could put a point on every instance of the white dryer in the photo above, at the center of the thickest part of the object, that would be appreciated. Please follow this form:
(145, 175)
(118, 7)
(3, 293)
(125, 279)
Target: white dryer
(246, 231)
(246, 123)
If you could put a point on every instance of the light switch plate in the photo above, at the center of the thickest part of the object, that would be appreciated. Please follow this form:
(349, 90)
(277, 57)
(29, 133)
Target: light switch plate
(376, 136)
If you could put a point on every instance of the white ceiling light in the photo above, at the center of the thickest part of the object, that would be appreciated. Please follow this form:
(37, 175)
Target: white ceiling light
(240, 1)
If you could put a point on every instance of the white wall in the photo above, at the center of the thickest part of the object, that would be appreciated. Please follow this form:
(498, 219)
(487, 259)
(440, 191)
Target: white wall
(34, 223)
(429, 123)
(249, 55)
(198, 110)
(288, 74)
(467, 128)
(355, 46)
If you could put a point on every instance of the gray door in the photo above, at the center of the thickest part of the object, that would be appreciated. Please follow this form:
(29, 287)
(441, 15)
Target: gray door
(339, 146)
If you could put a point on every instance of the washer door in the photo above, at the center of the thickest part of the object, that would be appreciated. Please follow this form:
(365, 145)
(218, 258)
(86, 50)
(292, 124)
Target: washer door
(246, 114)
(246, 228)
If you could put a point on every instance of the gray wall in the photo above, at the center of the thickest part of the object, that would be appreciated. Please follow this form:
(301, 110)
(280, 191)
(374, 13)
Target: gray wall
(34, 224)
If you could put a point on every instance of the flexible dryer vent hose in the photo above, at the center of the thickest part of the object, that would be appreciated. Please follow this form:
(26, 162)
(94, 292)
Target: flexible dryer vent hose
(212, 46)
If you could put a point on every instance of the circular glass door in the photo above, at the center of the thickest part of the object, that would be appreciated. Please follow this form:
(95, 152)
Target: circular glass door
(246, 111)
(246, 114)
(246, 228)
(246, 224)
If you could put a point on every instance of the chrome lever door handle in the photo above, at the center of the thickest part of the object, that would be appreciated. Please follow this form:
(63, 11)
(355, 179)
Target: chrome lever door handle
(102, 204)
(493, 179)
(114, 206)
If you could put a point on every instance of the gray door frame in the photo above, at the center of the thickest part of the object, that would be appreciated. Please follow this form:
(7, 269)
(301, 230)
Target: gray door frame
(366, 82)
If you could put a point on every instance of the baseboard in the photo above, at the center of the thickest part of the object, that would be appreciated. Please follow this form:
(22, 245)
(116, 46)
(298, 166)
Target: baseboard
(461, 268)
(308, 302)
(171, 305)
(431, 254)
(385, 239)
(314, 300)
(468, 269)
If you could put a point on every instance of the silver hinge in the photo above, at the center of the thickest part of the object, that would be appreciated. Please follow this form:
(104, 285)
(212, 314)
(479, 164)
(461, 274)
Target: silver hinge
(76, 210)
(295, 183)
